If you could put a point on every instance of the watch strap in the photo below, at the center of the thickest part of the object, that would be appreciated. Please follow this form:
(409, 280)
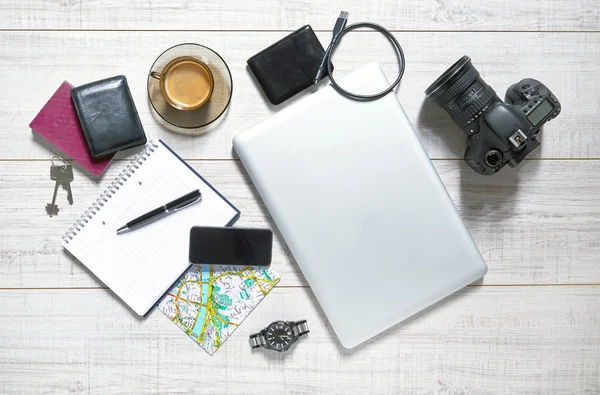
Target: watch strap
(300, 328)
(257, 340)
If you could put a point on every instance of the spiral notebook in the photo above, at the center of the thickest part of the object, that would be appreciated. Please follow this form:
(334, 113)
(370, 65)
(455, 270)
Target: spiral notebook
(140, 266)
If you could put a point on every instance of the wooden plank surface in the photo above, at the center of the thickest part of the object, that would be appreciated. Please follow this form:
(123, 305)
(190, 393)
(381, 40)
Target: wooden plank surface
(531, 326)
(492, 15)
(534, 225)
(483, 340)
(567, 63)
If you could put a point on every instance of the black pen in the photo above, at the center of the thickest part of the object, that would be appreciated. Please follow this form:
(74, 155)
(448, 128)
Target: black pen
(157, 213)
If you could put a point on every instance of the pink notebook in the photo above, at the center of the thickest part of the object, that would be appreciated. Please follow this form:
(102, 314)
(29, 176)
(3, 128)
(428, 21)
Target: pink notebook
(58, 123)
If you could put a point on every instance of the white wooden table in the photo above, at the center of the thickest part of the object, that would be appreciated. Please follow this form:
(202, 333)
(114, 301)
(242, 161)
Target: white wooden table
(531, 326)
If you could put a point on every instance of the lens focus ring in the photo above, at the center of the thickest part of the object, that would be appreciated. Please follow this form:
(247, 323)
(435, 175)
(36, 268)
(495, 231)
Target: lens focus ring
(474, 109)
(459, 86)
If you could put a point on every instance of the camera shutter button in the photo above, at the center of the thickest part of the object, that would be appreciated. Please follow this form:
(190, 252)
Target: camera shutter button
(526, 86)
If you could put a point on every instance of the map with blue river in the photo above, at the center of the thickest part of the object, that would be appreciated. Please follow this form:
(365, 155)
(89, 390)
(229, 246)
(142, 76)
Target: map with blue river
(209, 302)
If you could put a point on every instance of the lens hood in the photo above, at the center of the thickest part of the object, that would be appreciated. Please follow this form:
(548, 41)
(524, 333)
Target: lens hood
(448, 78)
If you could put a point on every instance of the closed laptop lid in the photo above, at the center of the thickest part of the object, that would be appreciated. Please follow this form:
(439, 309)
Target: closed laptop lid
(361, 207)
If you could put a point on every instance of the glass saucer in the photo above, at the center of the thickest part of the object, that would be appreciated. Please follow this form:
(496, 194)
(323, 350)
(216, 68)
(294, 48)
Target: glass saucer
(216, 105)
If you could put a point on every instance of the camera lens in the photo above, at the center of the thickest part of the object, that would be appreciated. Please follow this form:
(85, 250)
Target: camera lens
(493, 158)
(462, 93)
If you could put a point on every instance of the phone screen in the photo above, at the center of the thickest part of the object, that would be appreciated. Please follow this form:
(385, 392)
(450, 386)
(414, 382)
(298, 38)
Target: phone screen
(231, 246)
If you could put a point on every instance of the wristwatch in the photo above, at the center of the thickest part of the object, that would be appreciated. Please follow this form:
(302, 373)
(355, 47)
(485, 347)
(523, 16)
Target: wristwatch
(279, 335)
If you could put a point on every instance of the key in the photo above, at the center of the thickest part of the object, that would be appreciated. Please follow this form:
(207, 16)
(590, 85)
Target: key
(63, 175)
(52, 208)
(67, 187)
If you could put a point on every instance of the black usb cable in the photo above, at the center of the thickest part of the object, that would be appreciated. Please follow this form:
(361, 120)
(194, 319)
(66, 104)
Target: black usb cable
(339, 31)
(340, 24)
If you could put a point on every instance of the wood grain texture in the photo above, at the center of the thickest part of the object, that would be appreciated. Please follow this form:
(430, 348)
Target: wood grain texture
(567, 63)
(537, 225)
(493, 15)
(483, 340)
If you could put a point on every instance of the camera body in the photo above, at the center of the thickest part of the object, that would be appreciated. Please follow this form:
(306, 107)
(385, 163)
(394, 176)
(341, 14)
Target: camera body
(506, 133)
(498, 133)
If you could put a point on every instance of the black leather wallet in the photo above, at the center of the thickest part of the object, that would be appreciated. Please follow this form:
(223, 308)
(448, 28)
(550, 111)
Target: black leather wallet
(108, 117)
(288, 66)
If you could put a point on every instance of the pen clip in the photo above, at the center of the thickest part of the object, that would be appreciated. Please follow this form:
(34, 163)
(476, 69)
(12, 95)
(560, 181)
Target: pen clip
(188, 203)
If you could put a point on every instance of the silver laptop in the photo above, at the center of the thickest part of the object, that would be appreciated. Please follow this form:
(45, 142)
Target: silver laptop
(360, 206)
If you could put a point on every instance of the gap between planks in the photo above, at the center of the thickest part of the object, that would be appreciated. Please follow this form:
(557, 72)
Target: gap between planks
(237, 160)
(291, 30)
(306, 286)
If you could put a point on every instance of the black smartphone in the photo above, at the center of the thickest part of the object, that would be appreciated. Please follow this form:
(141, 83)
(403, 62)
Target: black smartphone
(231, 246)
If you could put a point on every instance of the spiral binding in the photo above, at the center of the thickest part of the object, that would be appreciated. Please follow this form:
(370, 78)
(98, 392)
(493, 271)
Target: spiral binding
(110, 191)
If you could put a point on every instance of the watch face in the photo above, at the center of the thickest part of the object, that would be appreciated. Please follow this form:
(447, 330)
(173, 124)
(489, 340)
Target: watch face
(279, 335)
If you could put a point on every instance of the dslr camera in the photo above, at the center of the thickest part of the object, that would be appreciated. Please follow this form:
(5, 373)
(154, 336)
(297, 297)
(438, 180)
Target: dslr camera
(498, 133)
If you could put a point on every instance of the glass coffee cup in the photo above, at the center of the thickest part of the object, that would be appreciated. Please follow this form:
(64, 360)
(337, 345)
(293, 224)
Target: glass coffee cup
(186, 83)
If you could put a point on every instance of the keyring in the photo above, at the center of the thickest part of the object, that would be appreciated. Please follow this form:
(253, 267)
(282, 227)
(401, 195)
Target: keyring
(56, 157)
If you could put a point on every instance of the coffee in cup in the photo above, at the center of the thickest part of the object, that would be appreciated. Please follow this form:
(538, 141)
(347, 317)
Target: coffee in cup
(186, 83)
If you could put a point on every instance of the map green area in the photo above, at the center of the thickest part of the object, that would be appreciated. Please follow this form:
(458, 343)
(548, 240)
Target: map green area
(210, 302)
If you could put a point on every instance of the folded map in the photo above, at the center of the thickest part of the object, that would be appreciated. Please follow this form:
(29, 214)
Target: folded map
(210, 302)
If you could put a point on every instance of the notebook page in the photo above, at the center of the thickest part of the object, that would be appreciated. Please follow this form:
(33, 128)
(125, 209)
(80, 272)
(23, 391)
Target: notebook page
(139, 266)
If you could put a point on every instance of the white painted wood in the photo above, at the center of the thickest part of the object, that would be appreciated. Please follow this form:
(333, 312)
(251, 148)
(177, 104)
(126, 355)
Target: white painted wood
(289, 15)
(567, 63)
(483, 340)
(537, 225)
(534, 225)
